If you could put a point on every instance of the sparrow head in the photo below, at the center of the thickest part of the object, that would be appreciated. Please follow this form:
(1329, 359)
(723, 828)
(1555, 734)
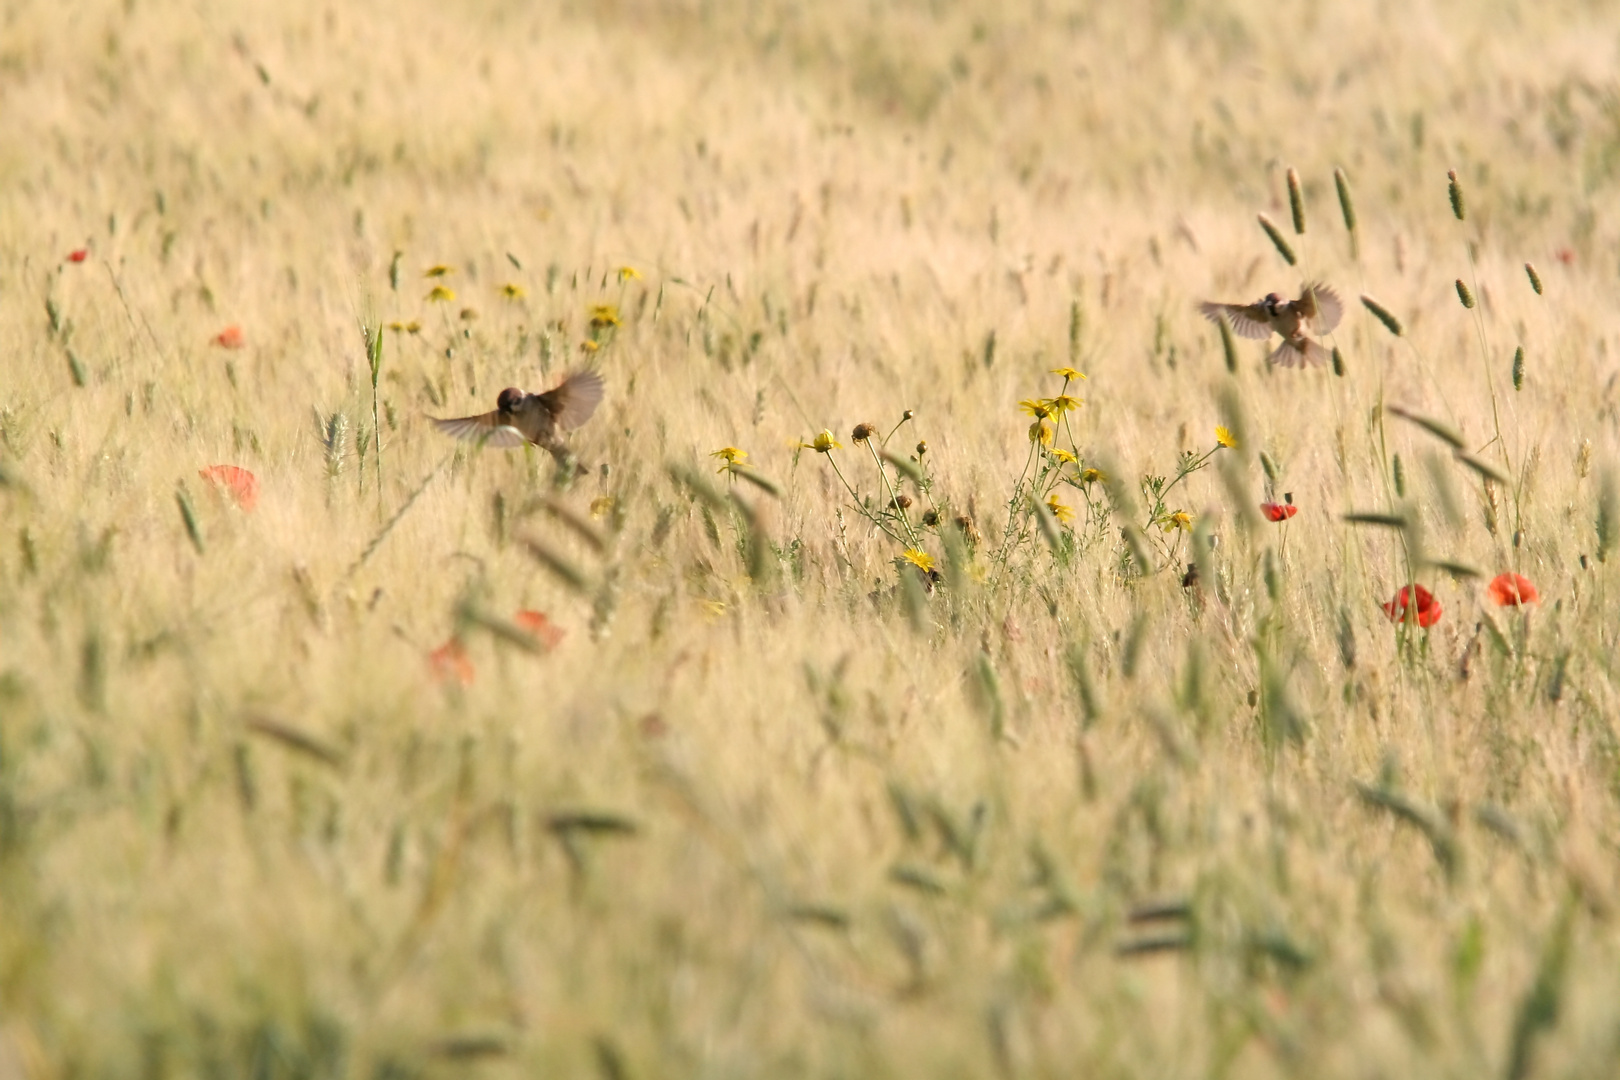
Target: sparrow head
(1271, 303)
(509, 400)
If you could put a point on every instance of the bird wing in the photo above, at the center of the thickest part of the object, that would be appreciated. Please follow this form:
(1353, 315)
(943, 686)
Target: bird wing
(1320, 304)
(574, 399)
(486, 430)
(1247, 320)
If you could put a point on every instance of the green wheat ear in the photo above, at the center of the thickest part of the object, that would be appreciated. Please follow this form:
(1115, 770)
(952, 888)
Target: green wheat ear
(1278, 240)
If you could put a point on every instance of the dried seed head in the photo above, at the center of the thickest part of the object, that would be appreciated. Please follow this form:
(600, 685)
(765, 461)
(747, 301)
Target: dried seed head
(1454, 189)
(1296, 202)
(970, 531)
(1465, 294)
(1382, 314)
(863, 432)
(1518, 368)
(1278, 240)
(1492, 507)
(1338, 362)
(930, 518)
(1583, 460)
(1535, 278)
(900, 502)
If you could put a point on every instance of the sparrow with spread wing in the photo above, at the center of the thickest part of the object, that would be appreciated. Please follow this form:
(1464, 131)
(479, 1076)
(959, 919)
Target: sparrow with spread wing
(540, 419)
(1318, 307)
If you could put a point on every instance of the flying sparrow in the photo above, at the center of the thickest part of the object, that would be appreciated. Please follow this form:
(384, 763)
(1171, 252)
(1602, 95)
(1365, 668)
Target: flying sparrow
(540, 419)
(1318, 306)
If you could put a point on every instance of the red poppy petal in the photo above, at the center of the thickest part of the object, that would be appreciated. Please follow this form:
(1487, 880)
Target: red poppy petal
(243, 485)
(1511, 590)
(79, 256)
(449, 661)
(230, 338)
(537, 623)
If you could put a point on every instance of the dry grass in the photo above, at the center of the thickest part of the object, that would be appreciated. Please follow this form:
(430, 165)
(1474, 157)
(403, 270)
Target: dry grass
(770, 808)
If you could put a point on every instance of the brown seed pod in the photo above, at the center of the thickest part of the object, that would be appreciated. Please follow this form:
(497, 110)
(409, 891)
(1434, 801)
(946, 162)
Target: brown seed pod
(863, 432)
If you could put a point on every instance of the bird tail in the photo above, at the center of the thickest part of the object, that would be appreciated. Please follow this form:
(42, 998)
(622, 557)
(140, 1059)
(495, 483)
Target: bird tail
(1299, 352)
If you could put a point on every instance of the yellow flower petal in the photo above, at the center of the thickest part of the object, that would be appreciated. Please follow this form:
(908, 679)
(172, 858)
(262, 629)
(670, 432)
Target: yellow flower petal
(920, 559)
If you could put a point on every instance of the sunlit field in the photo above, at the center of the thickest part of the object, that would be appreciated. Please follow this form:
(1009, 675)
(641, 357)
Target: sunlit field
(943, 653)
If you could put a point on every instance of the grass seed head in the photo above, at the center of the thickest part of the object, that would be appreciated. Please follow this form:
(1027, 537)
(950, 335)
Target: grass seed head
(1278, 241)
(1383, 315)
(1454, 190)
(1296, 202)
(1347, 205)
(1518, 368)
(1228, 345)
(1465, 294)
(1535, 278)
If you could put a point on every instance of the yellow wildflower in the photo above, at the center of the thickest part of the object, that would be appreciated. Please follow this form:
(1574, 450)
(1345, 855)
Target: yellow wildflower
(1064, 514)
(413, 327)
(1040, 431)
(441, 294)
(1062, 403)
(601, 505)
(1224, 436)
(629, 273)
(589, 346)
(733, 458)
(1036, 408)
(604, 316)
(1068, 373)
(1064, 457)
(396, 326)
(1178, 520)
(1091, 476)
(920, 559)
(513, 292)
(823, 444)
(437, 271)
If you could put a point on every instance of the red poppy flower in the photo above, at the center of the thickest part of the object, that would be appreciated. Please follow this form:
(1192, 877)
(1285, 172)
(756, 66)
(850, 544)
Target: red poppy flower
(1511, 590)
(545, 631)
(243, 485)
(1565, 255)
(1278, 511)
(449, 661)
(230, 338)
(1427, 607)
(79, 256)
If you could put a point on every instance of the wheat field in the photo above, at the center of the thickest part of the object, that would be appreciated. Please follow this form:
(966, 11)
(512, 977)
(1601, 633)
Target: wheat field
(391, 757)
